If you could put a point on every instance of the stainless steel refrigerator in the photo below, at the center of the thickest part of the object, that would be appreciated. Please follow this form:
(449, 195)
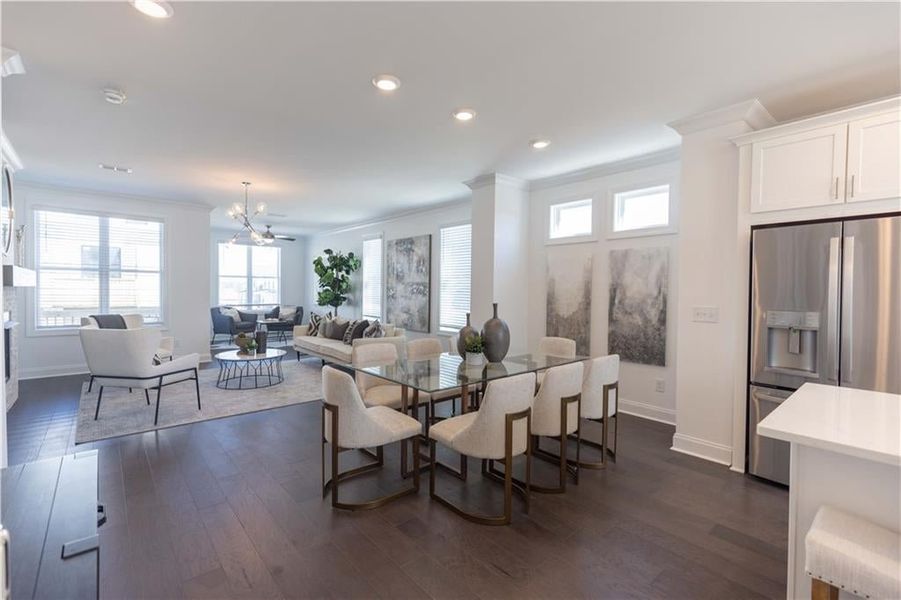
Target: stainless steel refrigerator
(825, 308)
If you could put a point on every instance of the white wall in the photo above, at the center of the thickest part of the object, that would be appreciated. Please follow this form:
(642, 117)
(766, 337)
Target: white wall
(350, 239)
(294, 268)
(186, 282)
(637, 382)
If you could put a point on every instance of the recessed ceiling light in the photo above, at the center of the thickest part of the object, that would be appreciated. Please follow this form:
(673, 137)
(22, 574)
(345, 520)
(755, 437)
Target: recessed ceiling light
(115, 168)
(114, 96)
(464, 114)
(153, 8)
(540, 144)
(386, 83)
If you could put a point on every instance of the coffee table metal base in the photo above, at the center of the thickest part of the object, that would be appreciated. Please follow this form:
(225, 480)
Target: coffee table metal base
(250, 374)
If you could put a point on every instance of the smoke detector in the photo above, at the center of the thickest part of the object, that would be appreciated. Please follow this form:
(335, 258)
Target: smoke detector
(114, 96)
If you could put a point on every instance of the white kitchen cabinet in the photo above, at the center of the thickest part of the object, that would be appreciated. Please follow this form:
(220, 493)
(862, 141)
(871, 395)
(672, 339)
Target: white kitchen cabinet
(799, 170)
(874, 158)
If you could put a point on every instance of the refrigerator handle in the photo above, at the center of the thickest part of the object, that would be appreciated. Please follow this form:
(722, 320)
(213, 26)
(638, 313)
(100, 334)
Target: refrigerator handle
(847, 308)
(832, 311)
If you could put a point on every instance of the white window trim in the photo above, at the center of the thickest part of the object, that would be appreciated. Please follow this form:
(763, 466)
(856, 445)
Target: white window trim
(448, 331)
(574, 239)
(31, 330)
(610, 214)
(374, 236)
(249, 275)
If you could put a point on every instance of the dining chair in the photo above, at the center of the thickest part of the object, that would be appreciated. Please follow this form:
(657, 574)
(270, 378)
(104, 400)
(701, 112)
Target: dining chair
(555, 413)
(499, 431)
(600, 389)
(424, 349)
(348, 424)
(556, 346)
(374, 390)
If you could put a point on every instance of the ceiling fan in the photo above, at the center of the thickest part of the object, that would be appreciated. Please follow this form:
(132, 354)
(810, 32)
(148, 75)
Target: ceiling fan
(242, 214)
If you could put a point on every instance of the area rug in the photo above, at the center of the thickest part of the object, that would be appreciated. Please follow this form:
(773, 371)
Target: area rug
(123, 413)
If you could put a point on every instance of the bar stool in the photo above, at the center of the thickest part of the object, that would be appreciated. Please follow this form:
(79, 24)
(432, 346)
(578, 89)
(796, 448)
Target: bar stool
(846, 552)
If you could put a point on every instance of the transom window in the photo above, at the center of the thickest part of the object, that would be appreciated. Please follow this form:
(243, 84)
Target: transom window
(456, 271)
(89, 264)
(646, 208)
(249, 275)
(570, 219)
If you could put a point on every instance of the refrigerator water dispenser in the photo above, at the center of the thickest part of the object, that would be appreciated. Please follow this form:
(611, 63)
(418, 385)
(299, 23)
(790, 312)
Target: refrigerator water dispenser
(791, 342)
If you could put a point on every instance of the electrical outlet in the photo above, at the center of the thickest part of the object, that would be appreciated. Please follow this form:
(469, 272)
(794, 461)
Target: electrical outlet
(705, 314)
(659, 386)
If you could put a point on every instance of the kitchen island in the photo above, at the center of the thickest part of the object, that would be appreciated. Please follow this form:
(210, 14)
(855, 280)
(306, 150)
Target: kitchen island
(845, 452)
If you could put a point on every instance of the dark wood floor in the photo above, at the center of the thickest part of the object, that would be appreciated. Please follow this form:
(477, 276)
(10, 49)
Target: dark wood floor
(232, 509)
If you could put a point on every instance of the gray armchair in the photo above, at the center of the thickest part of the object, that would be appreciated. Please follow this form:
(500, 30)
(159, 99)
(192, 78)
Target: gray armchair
(226, 325)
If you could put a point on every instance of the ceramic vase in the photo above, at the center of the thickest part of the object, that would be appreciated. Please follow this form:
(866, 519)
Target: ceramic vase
(261, 338)
(466, 332)
(496, 338)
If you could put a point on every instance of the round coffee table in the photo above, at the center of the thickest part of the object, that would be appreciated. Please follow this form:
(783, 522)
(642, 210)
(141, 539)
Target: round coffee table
(243, 371)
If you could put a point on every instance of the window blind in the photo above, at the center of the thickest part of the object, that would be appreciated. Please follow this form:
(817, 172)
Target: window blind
(96, 264)
(372, 278)
(456, 269)
(249, 275)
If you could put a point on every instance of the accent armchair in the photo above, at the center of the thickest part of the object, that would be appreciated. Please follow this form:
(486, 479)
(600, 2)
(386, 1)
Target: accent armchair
(166, 350)
(226, 325)
(125, 358)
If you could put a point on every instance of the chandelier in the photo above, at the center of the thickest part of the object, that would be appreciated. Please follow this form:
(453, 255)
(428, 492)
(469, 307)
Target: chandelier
(242, 214)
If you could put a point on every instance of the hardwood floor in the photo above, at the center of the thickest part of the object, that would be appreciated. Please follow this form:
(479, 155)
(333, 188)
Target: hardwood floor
(232, 509)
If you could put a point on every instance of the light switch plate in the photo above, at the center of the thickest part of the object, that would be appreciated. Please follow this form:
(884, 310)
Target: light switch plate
(659, 386)
(705, 314)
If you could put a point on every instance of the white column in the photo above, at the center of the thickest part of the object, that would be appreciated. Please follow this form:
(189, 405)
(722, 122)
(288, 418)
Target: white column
(709, 276)
(500, 216)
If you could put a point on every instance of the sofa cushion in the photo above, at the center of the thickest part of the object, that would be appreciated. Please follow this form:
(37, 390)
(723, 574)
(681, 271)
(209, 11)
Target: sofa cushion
(228, 311)
(285, 313)
(358, 330)
(374, 330)
(335, 328)
(349, 331)
(315, 319)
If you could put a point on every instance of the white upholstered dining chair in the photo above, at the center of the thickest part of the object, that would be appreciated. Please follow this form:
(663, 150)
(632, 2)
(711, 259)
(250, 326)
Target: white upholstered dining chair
(348, 424)
(555, 413)
(556, 346)
(374, 390)
(601, 387)
(125, 358)
(425, 349)
(498, 431)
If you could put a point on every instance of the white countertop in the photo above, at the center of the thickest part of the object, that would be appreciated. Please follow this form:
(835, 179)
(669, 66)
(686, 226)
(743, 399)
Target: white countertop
(855, 422)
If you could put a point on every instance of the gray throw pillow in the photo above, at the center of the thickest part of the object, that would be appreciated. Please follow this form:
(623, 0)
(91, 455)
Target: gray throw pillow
(349, 331)
(334, 329)
(359, 328)
(374, 330)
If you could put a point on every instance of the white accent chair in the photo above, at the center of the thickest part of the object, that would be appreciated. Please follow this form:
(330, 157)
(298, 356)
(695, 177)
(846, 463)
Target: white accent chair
(166, 350)
(499, 430)
(846, 552)
(347, 424)
(125, 358)
(555, 413)
(556, 346)
(600, 389)
(426, 349)
(374, 390)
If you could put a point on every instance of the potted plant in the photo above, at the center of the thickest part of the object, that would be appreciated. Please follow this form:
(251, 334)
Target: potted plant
(251, 347)
(241, 340)
(474, 348)
(334, 271)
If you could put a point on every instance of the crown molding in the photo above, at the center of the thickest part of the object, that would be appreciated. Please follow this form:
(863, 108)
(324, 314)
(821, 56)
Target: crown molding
(603, 170)
(9, 154)
(751, 112)
(39, 185)
(457, 202)
(497, 179)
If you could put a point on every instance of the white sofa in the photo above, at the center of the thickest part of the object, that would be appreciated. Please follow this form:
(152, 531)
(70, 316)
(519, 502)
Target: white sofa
(329, 349)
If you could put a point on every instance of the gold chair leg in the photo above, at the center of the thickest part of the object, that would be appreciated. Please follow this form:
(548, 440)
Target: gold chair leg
(603, 446)
(566, 466)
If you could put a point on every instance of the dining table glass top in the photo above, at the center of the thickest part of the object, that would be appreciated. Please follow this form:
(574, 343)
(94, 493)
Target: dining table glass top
(450, 371)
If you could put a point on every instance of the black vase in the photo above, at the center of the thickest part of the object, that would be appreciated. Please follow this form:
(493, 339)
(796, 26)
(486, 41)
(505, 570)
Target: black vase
(261, 341)
(466, 332)
(495, 338)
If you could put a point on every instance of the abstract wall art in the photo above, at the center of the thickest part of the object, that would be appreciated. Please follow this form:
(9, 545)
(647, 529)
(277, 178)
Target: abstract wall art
(569, 297)
(408, 282)
(639, 279)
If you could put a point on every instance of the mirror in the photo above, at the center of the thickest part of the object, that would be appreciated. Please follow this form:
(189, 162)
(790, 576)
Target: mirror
(6, 211)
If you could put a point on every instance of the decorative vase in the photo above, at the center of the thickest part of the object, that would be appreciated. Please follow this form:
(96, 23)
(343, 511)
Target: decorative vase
(474, 358)
(241, 343)
(261, 340)
(466, 332)
(496, 338)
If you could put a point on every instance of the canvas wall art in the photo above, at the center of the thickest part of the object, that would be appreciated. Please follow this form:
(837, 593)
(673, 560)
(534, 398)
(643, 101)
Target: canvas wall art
(639, 280)
(408, 282)
(569, 297)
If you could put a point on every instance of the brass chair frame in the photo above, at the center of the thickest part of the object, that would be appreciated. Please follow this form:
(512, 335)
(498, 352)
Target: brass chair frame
(604, 422)
(337, 477)
(488, 471)
(567, 466)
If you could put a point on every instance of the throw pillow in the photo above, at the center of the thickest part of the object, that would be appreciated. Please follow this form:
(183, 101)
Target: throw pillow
(228, 311)
(358, 330)
(335, 328)
(374, 330)
(349, 331)
(313, 327)
(286, 313)
(389, 329)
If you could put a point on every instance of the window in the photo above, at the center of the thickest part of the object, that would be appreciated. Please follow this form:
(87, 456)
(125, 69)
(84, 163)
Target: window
(456, 270)
(249, 275)
(570, 219)
(96, 264)
(372, 278)
(647, 208)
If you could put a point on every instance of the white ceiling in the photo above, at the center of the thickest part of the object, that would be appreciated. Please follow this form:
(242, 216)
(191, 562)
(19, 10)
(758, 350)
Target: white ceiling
(280, 94)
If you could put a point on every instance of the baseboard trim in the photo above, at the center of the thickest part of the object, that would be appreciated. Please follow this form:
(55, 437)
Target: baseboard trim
(54, 371)
(647, 411)
(692, 446)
